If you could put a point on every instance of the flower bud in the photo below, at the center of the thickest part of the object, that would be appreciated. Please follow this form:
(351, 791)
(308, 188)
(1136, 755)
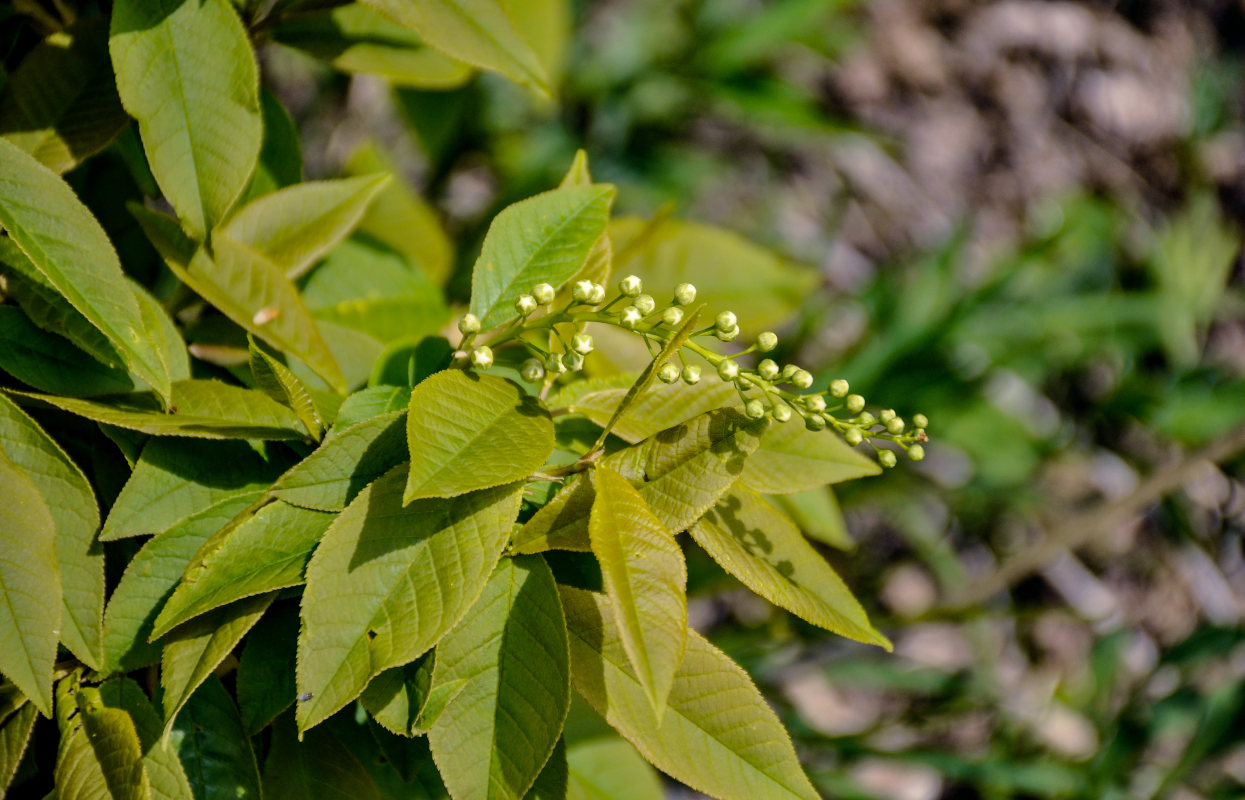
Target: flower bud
(544, 293)
(597, 296)
(669, 372)
(582, 291)
(754, 409)
(802, 379)
(532, 371)
(887, 415)
(728, 370)
(767, 341)
(685, 294)
(895, 426)
(691, 374)
(554, 364)
(815, 422)
(631, 285)
(782, 412)
(525, 305)
(630, 317)
(727, 320)
(672, 316)
(886, 458)
(865, 419)
(645, 303)
(582, 343)
(815, 403)
(920, 421)
(482, 357)
(573, 361)
(469, 324)
(916, 452)
(767, 369)
(855, 403)
(838, 387)
(789, 371)
(853, 436)
(727, 335)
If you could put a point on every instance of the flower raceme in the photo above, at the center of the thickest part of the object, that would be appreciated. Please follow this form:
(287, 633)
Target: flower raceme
(767, 390)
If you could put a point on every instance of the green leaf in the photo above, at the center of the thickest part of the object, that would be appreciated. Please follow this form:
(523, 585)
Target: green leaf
(50, 363)
(792, 458)
(280, 156)
(195, 650)
(718, 734)
(478, 32)
(29, 624)
(609, 768)
(163, 333)
(296, 226)
(116, 747)
(14, 736)
(546, 25)
(370, 403)
(376, 593)
(200, 409)
(551, 782)
(277, 381)
(246, 287)
(756, 543)
(186, 72)
(258, 553)
(688, 468)
(175, 478)
(71, 503)
(210, 742)
(403, 699)
(265, 684)
(817, 513)
(60, 104)
(149, 580)
(546, 238)
(645, 581)
(663, 406)
(354, 38)
(70, 250)
(468, 431)
(160, 763)
(317, 767)
(729, 271)
(401, 219)
(348, 459)
(494, 738)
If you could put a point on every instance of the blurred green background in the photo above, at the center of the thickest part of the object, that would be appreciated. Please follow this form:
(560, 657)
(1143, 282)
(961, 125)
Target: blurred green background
(1020, 218)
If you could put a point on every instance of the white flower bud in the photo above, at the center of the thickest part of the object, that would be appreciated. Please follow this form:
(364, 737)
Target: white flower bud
(672, 316)
(886, 415)
(685, 294)
(767, 341)
(815, 422)
(853, 436)
(727, 320)
(916, 452)
(754, 409)
(815, 403)
(727, 335)
(582, 343)
(645, 303)
(669, 372)
(597, 296)
(802, 379)
(855, 403)
(767, 369)
(865, 419)
(573, 361)
(886, 458)
(728, 370)
(482, 357)
(789, 371)
(554, 364)
(544, 293)
(839, 387)
(525, 304)
(895, 426)
(630, 317)
(691, 374)
(532, 371)
(631, 285)
(782, 412)
(920, 421)
(582, 291)
(469, 324)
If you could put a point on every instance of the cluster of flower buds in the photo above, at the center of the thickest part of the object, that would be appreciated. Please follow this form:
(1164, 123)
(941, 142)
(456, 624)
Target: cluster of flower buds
(767, 390)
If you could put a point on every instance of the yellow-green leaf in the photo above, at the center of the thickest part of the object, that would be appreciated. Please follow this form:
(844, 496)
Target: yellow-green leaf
(319, 767)
(645, 581)
(348, 459)
(277, 381)
(662, 406)
(792, 458)
(14, 736)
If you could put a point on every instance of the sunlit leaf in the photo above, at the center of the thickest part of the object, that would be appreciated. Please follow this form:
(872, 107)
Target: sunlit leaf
(818, 515)
(277, 381)
(663, 406)
(792, 458)
(14, 737)
(609, 769)
(116, 747)
(347, 460)
(160, 762)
